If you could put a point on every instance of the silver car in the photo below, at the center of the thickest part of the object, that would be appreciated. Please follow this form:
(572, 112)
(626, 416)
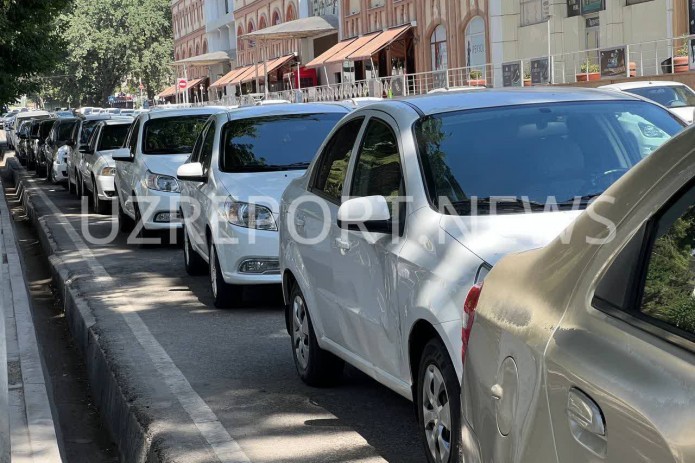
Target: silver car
(584, 350)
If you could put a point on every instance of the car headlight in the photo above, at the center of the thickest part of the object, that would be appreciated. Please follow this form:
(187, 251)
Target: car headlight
(161, 182)
(63, 151)
(108, 171)
(249, 215)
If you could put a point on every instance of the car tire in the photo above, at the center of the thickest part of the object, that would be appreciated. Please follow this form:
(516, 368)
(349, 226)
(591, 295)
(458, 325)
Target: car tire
(438, 397)
(143, 233)
(125, 223)
(83, 191)
(315, 366)
(224, 295)
(100, 206)
(195, 265)
(72, 188)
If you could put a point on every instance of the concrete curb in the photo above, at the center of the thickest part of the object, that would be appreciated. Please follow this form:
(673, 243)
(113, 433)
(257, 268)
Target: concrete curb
(127, 428)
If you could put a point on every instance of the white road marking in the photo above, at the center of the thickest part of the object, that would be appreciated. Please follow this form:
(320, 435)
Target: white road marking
(223, 445)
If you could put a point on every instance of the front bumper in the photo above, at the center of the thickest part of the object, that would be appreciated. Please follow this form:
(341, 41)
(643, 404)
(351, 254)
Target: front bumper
(236, 245)
(154, 208)
(60, 170)
(105, 187)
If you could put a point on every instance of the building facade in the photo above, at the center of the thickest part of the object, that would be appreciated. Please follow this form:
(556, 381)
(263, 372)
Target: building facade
(188, 24)
(220, 29)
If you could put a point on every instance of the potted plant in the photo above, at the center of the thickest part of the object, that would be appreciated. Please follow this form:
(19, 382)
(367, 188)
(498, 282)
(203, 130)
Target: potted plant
(677, 63)
(589, 71)
(475, 79)
(527, 78)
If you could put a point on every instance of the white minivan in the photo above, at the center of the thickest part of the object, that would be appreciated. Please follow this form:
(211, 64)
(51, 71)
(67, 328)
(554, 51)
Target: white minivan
(232, 185)
(158, 142)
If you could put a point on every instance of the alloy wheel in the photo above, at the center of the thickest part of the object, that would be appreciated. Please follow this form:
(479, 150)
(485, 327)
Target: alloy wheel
(300, 331)
(437, 414)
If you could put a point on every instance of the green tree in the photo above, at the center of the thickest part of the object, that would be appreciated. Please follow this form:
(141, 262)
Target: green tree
(29, 44)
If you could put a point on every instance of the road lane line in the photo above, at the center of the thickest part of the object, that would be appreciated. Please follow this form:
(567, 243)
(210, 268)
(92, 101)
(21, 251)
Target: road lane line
(223, 445)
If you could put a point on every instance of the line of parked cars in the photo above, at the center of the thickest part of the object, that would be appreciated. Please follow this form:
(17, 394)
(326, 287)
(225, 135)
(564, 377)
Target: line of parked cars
(387, 226)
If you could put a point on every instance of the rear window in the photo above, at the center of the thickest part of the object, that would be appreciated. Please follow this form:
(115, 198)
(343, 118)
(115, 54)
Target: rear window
(65, 131)
(113, 136)
(675, 96)
(289, 141)
(543, 154)
(172, 135)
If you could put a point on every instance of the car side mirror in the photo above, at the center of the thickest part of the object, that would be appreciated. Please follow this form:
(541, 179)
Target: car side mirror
(191, 172)
(122, 155)
(369, 213)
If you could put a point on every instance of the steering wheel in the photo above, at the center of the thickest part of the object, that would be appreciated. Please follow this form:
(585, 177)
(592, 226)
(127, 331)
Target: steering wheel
(601, 181)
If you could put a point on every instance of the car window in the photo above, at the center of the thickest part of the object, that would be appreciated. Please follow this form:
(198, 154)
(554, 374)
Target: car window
(282, 142)
(133, 140)
(197, 148)
(669, 287)
(112, 137)
(45, 130)
(669, 96)
(544, 153)
(92, 143)
(172, 135)
(87, 130)
(207, 147)
(331, 168)
(65, 131)
(378, 169)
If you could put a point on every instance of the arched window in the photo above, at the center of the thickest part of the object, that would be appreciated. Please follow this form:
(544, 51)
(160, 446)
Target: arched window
(240, 42)
(205, 46)
(439, 51)
(197, 49)
(276, 18)
(291, 14)
(262, 23)
(250, 27)
(476, 54)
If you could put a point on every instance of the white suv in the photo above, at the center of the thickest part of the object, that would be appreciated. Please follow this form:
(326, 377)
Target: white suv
(97, 169)
(410, 202)
(158, 143)
(232, 185)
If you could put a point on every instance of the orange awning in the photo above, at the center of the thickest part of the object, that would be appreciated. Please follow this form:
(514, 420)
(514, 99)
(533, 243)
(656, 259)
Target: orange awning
(243, 76)
(380, 41)
(358, 43)
(193, 83)
(230, 76)
(270, 66)
(167, 92)
(319, 60)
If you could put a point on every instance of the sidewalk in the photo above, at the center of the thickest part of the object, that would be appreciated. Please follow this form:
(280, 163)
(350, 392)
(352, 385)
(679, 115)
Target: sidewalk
(27, 429)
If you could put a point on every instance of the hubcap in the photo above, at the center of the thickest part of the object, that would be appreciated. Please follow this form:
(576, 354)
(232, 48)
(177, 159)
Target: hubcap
(300, 333)
(436, 412)
(213, 271)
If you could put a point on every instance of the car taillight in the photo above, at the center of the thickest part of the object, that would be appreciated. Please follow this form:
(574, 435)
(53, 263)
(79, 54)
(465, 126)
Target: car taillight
(468, 316)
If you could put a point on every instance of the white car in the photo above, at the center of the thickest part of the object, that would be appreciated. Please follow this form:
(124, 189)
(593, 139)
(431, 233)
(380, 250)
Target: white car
(241, 164)
(584, 350)
(677, 97)
(74, 157)
(97, 168)
(412, 201)
(21, 117)
(158, 143)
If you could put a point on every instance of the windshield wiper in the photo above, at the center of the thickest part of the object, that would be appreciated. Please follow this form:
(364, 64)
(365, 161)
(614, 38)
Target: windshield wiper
(498, 204)
(581, 200)
(270, 167)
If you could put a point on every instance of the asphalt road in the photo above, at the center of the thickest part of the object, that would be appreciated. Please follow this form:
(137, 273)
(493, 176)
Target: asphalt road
(238, 361)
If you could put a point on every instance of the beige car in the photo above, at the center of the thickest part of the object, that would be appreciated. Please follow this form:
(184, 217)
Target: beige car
(584, 350)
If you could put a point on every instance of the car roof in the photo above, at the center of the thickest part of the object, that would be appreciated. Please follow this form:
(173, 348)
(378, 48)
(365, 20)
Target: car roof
(175, 112)
(642, 84)
(29, 114)
(491, 98)
(119, 121)
(279, 110)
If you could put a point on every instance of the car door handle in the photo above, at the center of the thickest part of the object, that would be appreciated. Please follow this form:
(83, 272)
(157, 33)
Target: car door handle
(342, 244)
(497, 392)
(586, 422)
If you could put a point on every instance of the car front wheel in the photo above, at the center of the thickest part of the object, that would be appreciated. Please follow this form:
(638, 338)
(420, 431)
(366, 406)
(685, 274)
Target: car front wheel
(195, 265)
(315, 366)
(224, 295)
(439, 404)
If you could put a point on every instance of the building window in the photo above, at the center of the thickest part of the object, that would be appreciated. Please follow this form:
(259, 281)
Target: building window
(240, 42)
(276, 18)
(291, 15)
(439, 51)
(262, 23)
(476, 55)
(532, 12)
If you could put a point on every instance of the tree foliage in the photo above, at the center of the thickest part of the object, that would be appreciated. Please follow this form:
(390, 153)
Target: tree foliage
(29, 44)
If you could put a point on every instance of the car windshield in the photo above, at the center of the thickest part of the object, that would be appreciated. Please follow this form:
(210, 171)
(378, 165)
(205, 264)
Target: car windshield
(65, 131)
(45, 129)
(87, 129)
(35, 126)
(285, 142)
(113, 136)
(559, 153)
(675, 96)
(172, 135)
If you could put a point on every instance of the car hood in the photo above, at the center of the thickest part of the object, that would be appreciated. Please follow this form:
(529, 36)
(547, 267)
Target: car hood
(264, 188)
(684, 112)
(106, 157)
(165, 164)
(492, 237)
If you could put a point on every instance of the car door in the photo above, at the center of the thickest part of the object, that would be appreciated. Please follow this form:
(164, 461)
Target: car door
(369, 315)
(621, 366)
(124, 170)
(315, 223)
(205, 194)
(190, 208)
